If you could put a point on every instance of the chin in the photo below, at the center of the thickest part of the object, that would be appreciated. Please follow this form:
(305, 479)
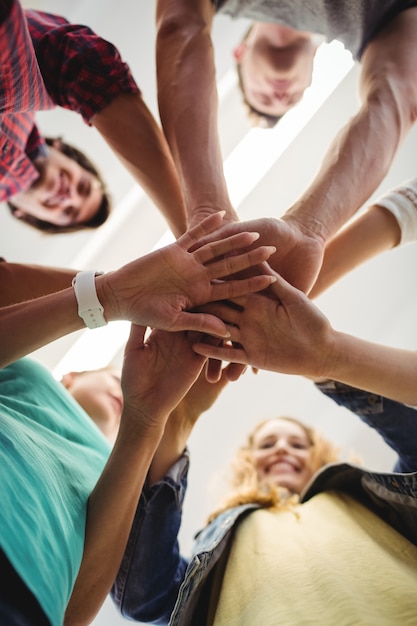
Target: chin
(286, 483)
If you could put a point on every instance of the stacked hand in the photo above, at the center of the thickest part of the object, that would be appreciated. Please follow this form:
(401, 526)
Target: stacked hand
(298, 256)
(161, 288)
(283, 332)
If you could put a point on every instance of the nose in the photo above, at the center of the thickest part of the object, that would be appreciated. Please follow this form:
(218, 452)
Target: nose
(281, 445)
(280, 95)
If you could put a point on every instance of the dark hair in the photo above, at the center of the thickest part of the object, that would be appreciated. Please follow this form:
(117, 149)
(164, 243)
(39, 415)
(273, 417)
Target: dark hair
(256, 117)
(98, 218)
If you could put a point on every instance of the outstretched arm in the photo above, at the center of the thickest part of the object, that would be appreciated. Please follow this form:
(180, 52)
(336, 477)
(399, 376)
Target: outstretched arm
(181, 422)
(360, 156)
(26, 282)
(374, 232)
(146, 589)
(389, 222)
(156, 375)
(188, 104)
(289, 334)
(156, 290)
(133, 134)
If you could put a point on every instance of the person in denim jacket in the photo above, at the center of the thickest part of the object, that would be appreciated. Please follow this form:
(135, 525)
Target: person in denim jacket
(156, 584)
(346, 551)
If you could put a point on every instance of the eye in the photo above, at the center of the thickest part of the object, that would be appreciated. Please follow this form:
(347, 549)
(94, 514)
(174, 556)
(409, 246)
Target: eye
(68, 211)
(84, 186)
(300, 445)
(267, 443)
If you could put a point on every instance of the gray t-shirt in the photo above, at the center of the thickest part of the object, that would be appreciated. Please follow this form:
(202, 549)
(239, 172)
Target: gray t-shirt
(353, 22)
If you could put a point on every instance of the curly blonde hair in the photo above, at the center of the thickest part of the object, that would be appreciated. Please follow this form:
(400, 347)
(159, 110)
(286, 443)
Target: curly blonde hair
(248, 488)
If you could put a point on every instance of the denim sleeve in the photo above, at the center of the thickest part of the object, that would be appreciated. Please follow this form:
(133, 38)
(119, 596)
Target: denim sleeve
(152, 568)
(394, 421)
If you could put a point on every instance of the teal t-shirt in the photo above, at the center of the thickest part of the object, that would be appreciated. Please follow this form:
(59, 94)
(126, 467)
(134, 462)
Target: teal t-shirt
(52, 455)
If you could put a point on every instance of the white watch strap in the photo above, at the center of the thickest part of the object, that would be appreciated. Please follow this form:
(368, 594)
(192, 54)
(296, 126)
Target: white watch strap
(89, 306)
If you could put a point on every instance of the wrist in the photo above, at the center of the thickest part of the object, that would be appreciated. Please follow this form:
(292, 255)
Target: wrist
(307, 225)
(335, 356)
(107, 296)
(90, 309)
(198, 213)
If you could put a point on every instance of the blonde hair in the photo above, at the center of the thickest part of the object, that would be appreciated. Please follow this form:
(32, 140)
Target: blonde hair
(246, 486)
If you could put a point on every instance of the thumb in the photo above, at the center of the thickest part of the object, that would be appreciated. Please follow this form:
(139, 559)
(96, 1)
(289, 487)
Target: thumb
(201, 322)
(136, 338)
(281, 289)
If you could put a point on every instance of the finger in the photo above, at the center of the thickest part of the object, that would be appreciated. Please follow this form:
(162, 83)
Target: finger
(220, 247)
(234, 371)
(281, 289)
(228, 314)
(226, 230)
(233, 288)
(223, 353)
(225, 310)
(201, 322)
(205, 227)
(233, 264)
(136, 338)
(213, 370)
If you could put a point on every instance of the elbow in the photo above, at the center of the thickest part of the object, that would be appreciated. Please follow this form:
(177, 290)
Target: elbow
(395, 101)
(178, 22)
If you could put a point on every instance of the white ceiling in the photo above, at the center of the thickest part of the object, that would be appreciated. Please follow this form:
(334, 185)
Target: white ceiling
(377, 302)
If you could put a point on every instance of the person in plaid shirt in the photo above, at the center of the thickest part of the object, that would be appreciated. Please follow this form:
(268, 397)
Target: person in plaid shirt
(49, 62)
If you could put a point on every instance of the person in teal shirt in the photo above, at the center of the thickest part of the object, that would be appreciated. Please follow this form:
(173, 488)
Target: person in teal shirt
(68, 497)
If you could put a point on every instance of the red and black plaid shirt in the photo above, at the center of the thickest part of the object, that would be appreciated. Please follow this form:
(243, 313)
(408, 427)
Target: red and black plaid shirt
(48, 62)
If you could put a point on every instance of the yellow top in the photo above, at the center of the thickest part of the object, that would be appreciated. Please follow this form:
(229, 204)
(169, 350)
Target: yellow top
(331, 562)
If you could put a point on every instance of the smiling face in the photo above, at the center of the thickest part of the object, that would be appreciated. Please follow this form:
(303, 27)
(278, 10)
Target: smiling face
(100, 394)
(64, 194)
(282, 453)
(276, 65)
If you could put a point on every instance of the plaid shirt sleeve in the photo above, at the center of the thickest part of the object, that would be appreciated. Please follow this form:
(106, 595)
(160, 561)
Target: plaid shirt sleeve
(21, 86)
(82, 72)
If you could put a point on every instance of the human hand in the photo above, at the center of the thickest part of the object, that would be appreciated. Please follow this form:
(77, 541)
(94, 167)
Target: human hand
(160, 288)
(298, 256)
(284, 333)
(157, 372)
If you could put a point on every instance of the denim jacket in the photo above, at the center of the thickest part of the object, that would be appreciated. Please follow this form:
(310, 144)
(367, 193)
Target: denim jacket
(156, 584)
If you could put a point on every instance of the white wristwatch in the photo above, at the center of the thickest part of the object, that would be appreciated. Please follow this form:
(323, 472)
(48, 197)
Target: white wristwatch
(90, 308)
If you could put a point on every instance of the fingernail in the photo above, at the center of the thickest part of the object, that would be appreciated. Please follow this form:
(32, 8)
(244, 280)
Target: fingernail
(254, 235)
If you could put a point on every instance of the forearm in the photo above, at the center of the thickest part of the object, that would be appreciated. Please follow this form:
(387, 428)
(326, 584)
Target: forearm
(133, 134)
(352, 169)
(188, 103)
(24, 282)
(386, 371)
(177, 432)
(111, 511)
(370, 234)
(361, 154)
(36, 320)
(27, 326)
